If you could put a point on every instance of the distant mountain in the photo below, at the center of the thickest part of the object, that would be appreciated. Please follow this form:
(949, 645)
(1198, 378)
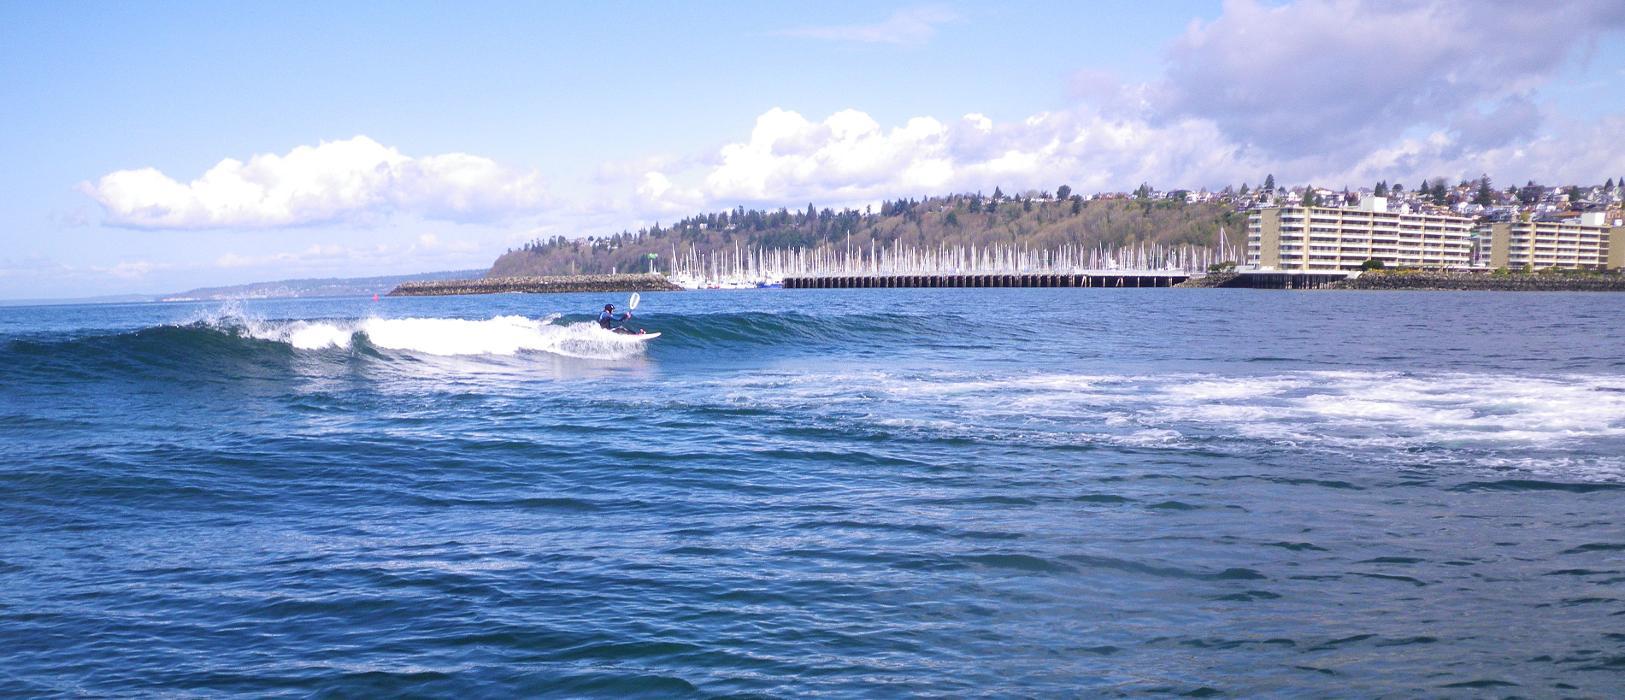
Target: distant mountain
(110, 299)
(1033, 220)
(301, 288)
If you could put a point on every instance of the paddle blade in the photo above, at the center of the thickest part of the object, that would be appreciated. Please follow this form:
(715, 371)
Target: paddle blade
(632, 304)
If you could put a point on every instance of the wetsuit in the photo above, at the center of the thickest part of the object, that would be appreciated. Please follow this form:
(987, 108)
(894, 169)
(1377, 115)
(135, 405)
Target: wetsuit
(606, 320)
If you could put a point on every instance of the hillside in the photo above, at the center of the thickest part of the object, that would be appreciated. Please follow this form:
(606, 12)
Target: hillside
(1035, 222)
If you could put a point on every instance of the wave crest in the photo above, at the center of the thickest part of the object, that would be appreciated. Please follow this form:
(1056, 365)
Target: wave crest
(499, 335)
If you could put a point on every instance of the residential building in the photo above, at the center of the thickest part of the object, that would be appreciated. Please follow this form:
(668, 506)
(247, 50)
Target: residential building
(1324, 238)
(1586, 243)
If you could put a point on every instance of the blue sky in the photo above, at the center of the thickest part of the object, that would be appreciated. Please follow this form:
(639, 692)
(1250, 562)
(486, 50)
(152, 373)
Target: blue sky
(159, 146)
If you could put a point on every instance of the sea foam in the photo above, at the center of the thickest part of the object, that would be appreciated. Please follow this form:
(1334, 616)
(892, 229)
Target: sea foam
(499, 335)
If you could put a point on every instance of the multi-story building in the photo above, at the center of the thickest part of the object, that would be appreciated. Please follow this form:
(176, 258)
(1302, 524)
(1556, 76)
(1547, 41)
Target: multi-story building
(1325, 238)
(1586, 244)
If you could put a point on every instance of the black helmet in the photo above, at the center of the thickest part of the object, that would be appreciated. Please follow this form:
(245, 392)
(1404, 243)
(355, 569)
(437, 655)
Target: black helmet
(609, 307)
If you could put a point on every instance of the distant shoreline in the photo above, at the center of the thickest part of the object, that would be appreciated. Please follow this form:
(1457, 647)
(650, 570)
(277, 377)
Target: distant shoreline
(537, 285)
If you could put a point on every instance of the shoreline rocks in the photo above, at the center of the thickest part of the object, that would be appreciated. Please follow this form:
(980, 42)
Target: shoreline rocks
(1213, 280)
(555, 284)
(1484, 281)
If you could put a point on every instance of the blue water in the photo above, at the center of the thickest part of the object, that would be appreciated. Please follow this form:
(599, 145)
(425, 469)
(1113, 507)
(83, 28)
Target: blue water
(848, 493)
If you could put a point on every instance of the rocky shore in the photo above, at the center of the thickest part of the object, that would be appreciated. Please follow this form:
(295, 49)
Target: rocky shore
(1211, 280)
(1485, 281)
(536, 284)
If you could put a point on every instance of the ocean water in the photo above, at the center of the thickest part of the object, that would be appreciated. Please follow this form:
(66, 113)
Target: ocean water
(1019, 492)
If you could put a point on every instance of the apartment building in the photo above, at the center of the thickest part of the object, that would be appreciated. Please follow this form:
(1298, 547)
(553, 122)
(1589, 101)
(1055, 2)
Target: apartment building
(1589, 243)
(1328, 239)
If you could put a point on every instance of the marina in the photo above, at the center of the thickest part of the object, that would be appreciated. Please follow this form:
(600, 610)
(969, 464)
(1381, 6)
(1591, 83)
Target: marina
(897, 265)
(1094, 278)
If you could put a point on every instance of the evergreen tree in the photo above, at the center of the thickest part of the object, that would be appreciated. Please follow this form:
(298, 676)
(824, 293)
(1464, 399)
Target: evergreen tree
(1269, 182)
(1485, 196)
(1310, 199)
(1243, 189)
(1064, 191)
(1381, 190)
(1530, 193)
(998, 194)
(1026, 203)
(1609, 185)
(1077, 204)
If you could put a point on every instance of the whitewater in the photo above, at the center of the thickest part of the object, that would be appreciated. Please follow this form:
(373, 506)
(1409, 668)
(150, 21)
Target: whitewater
(841, 492)
(498, 335)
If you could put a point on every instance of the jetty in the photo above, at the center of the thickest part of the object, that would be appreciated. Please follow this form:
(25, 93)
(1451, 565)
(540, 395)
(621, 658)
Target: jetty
(536, 285)
(1434, 280)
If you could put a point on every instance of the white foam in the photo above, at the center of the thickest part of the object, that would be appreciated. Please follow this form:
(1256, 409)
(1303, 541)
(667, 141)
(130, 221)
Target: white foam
(1482, 419)
(312, 336)
(500, 335)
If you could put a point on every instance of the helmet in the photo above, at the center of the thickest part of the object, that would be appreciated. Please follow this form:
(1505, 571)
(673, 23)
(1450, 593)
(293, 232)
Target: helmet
(609, 307)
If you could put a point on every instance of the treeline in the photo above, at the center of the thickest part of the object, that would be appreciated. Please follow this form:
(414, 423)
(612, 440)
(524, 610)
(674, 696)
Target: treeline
(1035, 219)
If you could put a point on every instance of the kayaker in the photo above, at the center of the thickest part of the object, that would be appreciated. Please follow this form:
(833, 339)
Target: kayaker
(606, 318)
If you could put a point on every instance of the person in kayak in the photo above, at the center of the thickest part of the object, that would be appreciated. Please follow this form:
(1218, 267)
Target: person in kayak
(606, 319)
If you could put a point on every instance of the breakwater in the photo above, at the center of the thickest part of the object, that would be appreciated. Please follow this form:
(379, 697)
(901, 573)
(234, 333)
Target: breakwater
(1211, 280)
(1484, 281)
(536, 284)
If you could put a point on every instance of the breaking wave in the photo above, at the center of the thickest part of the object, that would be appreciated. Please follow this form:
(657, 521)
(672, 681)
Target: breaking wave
(500, 335)
(228, 338)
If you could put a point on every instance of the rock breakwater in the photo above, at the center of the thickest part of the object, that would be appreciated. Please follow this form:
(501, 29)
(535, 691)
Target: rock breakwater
(1486, 281)
(1211, 280)
(537, 284)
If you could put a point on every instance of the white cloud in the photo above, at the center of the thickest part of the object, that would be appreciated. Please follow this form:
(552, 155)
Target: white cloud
(849, 158)
(1341, 77)
(1585, 153)
(357, 179)
(907, 27)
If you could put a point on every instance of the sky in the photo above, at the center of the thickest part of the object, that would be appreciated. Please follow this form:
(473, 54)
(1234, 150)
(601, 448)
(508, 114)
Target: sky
(159, 146)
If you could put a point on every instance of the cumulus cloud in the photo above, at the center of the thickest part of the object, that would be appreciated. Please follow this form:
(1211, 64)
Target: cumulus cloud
(907, 27)
(1341, 77)
(1328, 91)
(1586, 152)
(849, 158)
(350, 180)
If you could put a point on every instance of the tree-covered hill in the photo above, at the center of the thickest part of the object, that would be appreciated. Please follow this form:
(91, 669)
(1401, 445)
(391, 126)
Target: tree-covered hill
(1038, 221)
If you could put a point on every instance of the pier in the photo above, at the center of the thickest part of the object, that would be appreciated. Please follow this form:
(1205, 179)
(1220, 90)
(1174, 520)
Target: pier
(1097, 279)
(1288, 279)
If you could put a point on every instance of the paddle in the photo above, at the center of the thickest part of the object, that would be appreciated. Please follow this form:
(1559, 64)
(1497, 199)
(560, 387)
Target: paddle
(632, 304)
